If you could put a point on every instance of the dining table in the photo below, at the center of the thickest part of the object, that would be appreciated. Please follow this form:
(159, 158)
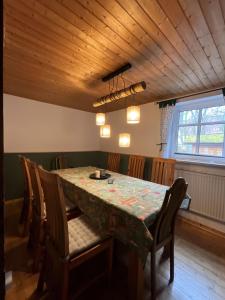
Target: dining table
(124, 207)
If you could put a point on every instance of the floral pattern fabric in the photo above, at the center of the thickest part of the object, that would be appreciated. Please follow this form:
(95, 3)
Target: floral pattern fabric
(124, 209)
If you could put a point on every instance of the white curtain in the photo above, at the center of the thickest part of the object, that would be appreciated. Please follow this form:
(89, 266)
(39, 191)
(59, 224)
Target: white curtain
(166, 119)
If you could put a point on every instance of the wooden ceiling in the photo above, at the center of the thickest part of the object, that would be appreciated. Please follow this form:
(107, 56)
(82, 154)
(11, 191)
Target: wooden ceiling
(58, 51)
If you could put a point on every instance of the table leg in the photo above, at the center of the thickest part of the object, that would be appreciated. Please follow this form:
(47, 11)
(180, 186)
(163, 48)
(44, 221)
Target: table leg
(135, 277)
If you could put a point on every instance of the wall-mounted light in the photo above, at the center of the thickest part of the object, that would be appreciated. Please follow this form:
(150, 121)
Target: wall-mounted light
(100, 119)
(105, 131)
(124, 140)
(133, 114)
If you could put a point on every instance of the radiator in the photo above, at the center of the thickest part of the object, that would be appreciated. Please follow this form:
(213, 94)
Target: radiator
(207, 192)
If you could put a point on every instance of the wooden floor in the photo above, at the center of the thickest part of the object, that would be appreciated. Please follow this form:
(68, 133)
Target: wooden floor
(199, 269)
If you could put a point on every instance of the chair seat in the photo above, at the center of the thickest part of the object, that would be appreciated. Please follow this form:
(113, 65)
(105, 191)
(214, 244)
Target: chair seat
(82, 235)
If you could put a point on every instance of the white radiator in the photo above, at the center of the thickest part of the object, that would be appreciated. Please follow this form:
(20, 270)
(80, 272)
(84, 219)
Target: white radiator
(206, 189)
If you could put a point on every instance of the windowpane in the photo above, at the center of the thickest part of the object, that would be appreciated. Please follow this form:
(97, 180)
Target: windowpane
(212, 140)
(213, 114)
(211, 150)
(212, 133)
(187, 137)
(189, 117)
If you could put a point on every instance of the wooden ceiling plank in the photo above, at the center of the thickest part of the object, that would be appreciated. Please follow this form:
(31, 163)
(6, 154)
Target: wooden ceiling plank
(69, 26)
(63, 22)
(214, 18)
(105, 35)
(37, 64)
(131, 79)
(41, 84)
(154, 11)
(12, 69)
(18, 42)
(151, 49)
(130, 41)
(49, 50)
(45, 61)
(54, 32)
(19, 55)
(136, 12)
(196, 18)
(180, 22)
(20, 89)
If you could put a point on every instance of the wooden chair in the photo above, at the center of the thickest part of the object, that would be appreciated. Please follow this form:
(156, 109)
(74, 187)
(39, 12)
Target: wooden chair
(136, 166)
(163, 228)
(61, 162)
(68, 244)
(37, 228)
(26, 213)
(113, 163)
(163, 171)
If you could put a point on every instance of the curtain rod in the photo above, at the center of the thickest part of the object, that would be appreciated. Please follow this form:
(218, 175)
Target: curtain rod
(189, 95)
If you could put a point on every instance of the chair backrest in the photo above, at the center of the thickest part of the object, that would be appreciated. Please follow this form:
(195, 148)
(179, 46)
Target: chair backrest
(61, 162)
(163, 170)
(165, 221)
(136, 166)
(38, 196)
(27, 177)
(113, 163)
(57, 228)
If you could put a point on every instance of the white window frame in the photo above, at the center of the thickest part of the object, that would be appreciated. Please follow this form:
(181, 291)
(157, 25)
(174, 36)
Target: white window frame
(206, 102)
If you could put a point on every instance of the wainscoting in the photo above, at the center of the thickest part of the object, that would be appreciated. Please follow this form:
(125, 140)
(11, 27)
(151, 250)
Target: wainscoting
(13, 175)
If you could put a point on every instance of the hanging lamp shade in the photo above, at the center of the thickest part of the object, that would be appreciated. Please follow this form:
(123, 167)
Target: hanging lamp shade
(133, 114)
(105, 131)
(100, 119)
(124, 140)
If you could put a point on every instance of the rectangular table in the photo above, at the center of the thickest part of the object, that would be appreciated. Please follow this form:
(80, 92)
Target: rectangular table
(124, 209)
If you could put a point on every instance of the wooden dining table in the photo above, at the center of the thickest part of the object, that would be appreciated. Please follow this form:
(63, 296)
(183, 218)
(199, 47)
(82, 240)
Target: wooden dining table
(124, 209)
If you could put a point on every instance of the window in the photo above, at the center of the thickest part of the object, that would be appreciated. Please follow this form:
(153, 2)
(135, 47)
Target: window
(199, 130)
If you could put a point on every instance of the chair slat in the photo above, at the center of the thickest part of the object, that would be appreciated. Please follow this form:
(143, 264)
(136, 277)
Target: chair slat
(163, 170)
(113, 162)
(136, 166)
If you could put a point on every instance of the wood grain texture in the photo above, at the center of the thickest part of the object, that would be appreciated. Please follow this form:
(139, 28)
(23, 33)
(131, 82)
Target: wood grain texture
(57, 51)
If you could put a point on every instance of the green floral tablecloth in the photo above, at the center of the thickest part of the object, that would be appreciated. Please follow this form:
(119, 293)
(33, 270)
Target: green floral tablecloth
(124, 209)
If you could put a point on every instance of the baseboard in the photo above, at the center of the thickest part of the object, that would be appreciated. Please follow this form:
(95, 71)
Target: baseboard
(201, 226)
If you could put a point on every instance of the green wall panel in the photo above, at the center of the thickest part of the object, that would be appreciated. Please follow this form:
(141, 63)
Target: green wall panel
(124, 159)
(13, 175)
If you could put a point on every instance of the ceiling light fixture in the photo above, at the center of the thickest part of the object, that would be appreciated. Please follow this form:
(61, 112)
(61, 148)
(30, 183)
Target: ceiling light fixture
(124, 140)
(105, 131)
(130, 90)
(133, 114)
(100, 119)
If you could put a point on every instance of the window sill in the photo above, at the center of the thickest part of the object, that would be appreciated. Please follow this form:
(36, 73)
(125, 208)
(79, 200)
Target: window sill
(201, 163)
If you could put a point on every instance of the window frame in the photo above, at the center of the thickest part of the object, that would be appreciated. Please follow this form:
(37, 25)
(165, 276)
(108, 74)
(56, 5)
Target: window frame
(205, 102)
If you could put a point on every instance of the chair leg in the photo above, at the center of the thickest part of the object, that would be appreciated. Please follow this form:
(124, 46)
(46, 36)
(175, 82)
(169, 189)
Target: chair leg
(171, 260)
(41, 280)
(110, 254)
(153, 276)
(65, 284)
(37, 256)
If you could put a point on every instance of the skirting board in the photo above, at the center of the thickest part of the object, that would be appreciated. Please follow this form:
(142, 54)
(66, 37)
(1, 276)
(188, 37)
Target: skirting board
(199, 225)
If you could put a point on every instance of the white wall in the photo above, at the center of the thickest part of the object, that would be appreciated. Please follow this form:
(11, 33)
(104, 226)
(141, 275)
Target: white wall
(144, 136)
(32, 126)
